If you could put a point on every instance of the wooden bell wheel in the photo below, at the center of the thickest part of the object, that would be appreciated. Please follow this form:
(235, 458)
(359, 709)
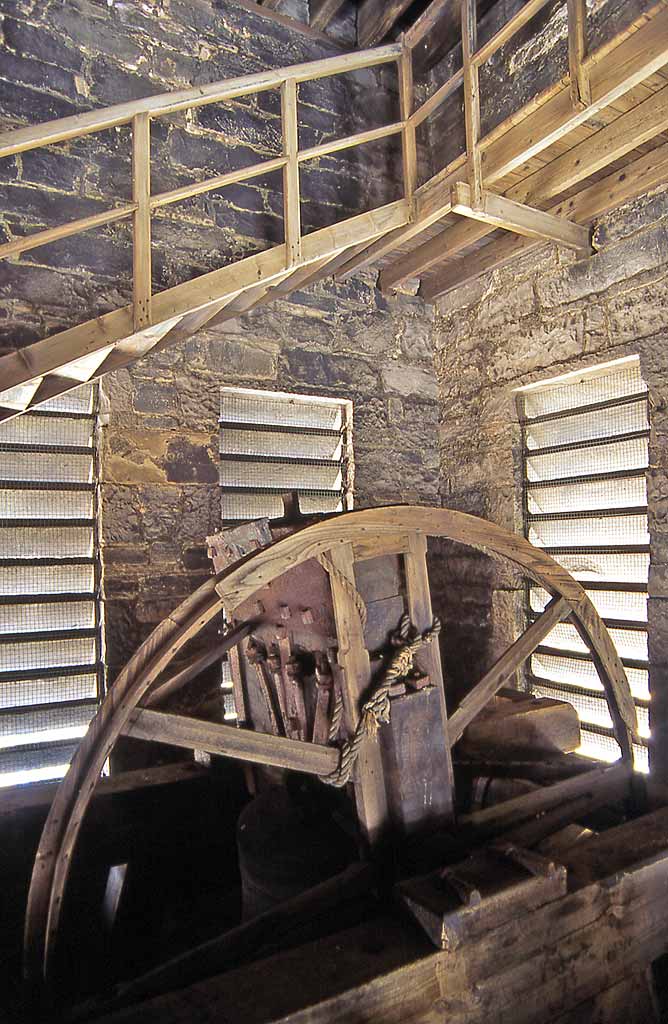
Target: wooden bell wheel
(342, 539)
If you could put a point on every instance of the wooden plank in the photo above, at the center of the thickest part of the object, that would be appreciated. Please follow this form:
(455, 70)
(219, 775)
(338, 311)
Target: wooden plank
(438, 790)
(629, 131)
(322, 12)
(577, 51)
(228, 741)
(408, 139)
(27, 242)
(198, 188)
(369, 783)
(505, 667)
(375, 18)
(141, 235)
(635, 179)
(639, 125)
(471, 100)
(291, 199)
(21, 139)
(348, 141)
(612, 781)
(519, 218)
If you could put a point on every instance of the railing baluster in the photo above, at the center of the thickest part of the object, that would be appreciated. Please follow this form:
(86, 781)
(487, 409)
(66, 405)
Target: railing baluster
(291, 198)
(141, 240)
(408, 142)
(577, 51)
(472, 99)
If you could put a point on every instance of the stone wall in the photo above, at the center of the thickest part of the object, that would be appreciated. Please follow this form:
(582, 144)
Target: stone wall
(160, 493)
(543, 315)
(64, 58)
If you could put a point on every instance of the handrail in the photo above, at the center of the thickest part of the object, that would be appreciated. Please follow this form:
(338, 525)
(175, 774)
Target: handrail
(475, 57)
(139, 113)
(19, 140)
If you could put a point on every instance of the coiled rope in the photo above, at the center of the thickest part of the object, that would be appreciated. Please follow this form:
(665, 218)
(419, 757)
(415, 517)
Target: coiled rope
(376, 709)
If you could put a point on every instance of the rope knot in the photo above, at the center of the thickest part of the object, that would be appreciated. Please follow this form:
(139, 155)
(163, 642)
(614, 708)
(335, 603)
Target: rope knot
(406, 641)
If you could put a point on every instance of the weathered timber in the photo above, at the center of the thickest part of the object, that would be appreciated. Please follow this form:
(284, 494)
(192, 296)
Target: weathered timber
(228, 741)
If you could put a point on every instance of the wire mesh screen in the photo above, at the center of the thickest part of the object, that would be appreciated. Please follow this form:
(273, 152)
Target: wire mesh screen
(272, 442)
(50, 606)
(585, 460)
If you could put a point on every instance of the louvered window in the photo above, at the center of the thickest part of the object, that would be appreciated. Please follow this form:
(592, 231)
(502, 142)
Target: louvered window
(585, 453)
(50, 636)
(272, 442)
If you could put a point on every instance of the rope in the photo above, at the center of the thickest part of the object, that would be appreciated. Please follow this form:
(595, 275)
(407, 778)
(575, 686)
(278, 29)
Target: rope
(350, 588)
(376, 709)
(337, 715)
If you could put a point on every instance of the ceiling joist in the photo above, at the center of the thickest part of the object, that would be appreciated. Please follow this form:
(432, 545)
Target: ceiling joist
(499, 212)
(633, 180)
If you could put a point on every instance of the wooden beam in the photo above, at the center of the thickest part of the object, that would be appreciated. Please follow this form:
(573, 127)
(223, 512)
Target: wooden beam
(626, 133)
(645, 173)
(141, 235)
(624, 67)
(322, 12)
(197, 188)
(375, 18)
(471, 100)
(436, 791)
(291, 198)
(613, 781)
(21, 139)
(408, 140)
(18, 800)
(523, 220)
(346, 142)
(353, 657)
(505, 667)
(196, 665)
(73, 227)
(228, 741)
(427, 21)
(577, 51)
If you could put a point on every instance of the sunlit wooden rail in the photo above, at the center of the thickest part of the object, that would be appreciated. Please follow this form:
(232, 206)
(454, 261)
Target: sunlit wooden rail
(47, 368)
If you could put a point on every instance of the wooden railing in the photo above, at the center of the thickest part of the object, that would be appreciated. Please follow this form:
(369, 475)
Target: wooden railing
(473, 57)
(154, 320)
(139, 115)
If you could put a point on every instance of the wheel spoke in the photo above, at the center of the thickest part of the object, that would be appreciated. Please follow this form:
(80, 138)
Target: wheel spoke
(507, 664)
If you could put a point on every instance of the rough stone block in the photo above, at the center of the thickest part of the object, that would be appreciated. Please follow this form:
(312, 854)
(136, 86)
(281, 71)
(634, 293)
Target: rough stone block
(642, 252)
(407, 380)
